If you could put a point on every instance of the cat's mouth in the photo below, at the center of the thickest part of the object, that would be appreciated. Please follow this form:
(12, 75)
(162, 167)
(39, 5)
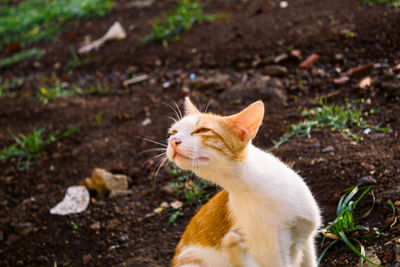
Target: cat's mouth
(181, 156)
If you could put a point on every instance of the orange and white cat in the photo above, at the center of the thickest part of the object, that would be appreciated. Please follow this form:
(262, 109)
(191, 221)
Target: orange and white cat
(266, 214)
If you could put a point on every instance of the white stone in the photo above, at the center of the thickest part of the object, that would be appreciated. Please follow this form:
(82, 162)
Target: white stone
(76, 200)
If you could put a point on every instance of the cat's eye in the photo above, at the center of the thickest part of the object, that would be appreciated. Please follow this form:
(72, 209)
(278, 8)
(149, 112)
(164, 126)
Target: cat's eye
(201, 130)
(172, 132)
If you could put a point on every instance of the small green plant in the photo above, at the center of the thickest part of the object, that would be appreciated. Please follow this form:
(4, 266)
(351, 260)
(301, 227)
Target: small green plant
(18, 57)
(75, 227)
(336, 117)
(28, 22)
(77, 61)
(26, 147)
(174, 216)
(178, 20)
(54, 90)
(49, 92)
(344, 228)
(193, 192)
(99, 116)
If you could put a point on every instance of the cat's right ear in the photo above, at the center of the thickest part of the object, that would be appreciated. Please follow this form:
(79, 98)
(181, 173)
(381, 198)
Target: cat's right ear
(189, 107)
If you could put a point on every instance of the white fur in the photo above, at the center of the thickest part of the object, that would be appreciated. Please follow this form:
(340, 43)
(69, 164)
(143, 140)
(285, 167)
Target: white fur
(270, 203)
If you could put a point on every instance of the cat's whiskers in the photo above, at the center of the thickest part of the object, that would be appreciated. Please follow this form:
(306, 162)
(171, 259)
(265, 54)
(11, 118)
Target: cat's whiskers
(179, 110)
(152, 141)
(209, 103)
(151, 150)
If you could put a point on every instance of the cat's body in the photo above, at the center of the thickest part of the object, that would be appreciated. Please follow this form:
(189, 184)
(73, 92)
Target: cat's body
(266, 214)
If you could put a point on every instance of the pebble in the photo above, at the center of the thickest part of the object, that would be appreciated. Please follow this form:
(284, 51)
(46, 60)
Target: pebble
(95, 226)
(364, 83)
(281, 58)
(86, 259)
(360, 71)
(310, 60)
(275, 70)
(316, 145)
(176, 204)
(342, 80)
(104, 182)
(123, 238)
(370, 254)
(23, 228)
(366, 180)
(328, 149)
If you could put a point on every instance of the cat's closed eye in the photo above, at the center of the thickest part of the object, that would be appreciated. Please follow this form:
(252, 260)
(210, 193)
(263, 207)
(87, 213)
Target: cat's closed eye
(201, 130)
(172, 132)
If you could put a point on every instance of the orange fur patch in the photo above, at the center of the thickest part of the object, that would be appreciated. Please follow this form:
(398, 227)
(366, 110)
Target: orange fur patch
(208, 226)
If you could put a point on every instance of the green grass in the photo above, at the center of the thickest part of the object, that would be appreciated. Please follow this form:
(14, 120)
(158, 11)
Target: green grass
(344, 228)
(18, 57)
(32, 21)
(192, 192)
(56, 90)
(28, 147)
(345, 119)
(180, 19)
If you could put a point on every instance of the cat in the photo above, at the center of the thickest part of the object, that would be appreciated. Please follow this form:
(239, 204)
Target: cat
(265, 215)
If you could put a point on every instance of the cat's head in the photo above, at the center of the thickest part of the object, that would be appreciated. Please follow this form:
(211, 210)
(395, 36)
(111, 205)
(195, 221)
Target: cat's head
(205, 142)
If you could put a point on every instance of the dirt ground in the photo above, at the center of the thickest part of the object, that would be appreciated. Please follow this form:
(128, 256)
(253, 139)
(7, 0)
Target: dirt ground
(226, 56)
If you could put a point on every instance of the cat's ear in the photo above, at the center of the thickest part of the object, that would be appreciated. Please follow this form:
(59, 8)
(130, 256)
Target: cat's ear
(247, 122)
(189, 107)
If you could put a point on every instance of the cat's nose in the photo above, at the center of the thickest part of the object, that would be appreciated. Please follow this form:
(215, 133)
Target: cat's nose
(174, 142)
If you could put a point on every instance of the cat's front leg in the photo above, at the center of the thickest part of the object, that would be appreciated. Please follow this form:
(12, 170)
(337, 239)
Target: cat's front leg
(302, 251)
(236, 250)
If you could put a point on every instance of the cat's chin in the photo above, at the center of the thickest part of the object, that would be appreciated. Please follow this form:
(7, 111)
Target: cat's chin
(187, 163)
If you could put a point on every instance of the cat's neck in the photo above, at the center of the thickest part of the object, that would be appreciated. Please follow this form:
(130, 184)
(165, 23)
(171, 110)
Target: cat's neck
(235, 177)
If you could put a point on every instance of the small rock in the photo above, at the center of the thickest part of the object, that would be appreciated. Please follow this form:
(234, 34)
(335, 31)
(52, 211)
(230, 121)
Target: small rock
(76, 200)
(339, 57)
(169, 188)
(296, 54)
(360, 71)
(328, 149)
(104, 182)
(342, 80)
(164, 205)
(86, 259)
(283, 4)
(365, 83)
(176, 204)
(263, 88)
(95, 226)
(158, 210)
(123, 238)
(366, 180)
(316, 145)
(216, 82)
(371, 254)
(368, 166)
(146, 122)
(275, 70)
(23, 228)
(309, 61)
(281, 58)
(119, 193)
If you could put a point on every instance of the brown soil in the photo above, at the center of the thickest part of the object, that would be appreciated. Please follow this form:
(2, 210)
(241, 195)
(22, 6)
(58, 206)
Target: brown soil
(129, 234)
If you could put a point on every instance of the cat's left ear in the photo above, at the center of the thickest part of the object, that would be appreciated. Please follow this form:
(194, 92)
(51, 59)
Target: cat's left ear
(189, 107)
(247, 122)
